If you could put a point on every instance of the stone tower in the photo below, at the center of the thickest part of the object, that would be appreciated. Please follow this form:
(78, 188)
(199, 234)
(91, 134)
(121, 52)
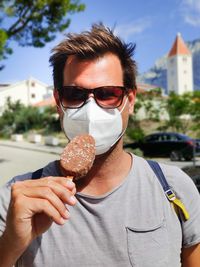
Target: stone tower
(179, 68)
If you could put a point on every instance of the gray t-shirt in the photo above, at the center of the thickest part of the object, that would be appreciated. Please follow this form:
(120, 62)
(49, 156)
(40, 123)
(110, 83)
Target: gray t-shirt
(132, 225)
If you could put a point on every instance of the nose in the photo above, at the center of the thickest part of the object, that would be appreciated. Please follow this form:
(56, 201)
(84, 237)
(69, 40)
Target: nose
(90, 95)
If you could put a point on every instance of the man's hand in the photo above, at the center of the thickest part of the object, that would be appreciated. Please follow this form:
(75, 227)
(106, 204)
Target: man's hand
(34, 205)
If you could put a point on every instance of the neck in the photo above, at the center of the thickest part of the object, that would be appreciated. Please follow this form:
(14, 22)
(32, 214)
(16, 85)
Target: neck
(108, 171)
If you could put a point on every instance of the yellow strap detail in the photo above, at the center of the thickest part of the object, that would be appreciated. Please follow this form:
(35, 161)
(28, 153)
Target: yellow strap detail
(176, 203)
(180, 205)
(175, 208)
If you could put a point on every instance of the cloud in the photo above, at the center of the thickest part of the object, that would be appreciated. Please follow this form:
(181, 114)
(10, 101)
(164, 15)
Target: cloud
(193, 4)
(134, 27)
(191, 11)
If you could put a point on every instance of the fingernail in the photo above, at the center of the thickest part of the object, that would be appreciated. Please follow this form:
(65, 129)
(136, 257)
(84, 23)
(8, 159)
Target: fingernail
(62, 221)
(67, 214)
(73, 200)
(69, 183)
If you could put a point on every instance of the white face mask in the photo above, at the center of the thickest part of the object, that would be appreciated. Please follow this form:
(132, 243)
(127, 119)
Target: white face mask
(105, 125)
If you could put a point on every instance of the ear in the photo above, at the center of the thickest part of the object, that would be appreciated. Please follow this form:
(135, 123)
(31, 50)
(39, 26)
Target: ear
(56, 97)
(131, 98)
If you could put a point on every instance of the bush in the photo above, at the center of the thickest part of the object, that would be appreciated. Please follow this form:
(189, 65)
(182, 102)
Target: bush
(19, 119)
(136, 134)
(137, 151)
(28, 118)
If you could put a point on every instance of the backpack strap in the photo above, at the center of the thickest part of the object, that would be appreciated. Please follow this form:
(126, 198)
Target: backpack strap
(37, 174)
(168, 191)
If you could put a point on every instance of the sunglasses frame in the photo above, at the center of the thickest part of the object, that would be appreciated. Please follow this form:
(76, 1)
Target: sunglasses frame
(125, 90)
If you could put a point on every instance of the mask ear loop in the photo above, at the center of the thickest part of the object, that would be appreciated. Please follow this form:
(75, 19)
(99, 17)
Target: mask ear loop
(124, 105)
(61, 107)
(122, 133)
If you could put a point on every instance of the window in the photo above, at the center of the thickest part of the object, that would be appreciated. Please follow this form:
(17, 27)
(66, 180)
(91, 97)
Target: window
(172, 137)
(32, 95)
(152, 138)
(185, 59)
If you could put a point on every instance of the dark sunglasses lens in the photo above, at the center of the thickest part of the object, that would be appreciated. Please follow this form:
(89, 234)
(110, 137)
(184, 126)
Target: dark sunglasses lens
(72, 96)
(109, 97)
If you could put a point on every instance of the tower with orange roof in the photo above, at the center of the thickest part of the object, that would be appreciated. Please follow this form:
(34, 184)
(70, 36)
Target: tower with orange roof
(179, 68)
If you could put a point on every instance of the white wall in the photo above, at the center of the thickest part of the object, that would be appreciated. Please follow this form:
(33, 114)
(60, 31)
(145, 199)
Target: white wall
(179, 74)
(172, 81)
(141, 114)
(185, 77)
(28, 92)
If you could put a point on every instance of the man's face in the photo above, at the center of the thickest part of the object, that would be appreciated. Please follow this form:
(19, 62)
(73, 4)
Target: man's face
(90, 74)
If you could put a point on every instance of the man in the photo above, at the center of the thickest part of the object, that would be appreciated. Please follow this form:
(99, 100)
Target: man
(118, 214)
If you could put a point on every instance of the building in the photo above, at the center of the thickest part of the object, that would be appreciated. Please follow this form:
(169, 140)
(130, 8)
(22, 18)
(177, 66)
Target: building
(145, 88)
(179, 68)
(29, 92)
(50, 101)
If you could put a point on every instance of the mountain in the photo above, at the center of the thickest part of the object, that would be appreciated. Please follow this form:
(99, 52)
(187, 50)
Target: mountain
(157, 74)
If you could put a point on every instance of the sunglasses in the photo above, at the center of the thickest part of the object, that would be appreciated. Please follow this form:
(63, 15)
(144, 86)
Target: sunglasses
(107, 97)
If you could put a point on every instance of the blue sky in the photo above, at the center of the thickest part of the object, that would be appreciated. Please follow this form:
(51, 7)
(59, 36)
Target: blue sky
(151, 24)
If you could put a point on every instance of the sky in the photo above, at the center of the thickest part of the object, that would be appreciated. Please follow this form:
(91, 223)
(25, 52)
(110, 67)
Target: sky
(151, 24)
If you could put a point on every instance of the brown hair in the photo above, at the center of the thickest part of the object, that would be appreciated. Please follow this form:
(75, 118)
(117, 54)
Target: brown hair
(90, 45)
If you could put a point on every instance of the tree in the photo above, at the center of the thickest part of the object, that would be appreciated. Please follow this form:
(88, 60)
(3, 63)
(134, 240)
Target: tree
(28, 118)
(177, 107)
(19, 118)
(195, 112)
(33, 22)
(151, 101)
(50, 119)
(10, 112)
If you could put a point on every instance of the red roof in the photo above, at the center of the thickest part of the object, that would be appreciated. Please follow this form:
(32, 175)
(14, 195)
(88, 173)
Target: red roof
(142, 88)
(179, 47)
(48, 101)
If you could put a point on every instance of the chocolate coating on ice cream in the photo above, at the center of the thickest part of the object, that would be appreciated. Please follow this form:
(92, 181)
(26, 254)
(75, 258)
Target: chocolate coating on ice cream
(78, 156)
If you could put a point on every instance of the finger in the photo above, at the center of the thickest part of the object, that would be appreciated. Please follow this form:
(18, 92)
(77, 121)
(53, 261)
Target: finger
(49, 181)
(39, 188)
(46, 193)
(44, 206)
(66, 195)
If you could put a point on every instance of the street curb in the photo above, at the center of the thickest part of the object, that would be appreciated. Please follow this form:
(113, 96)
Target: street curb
(33, 147)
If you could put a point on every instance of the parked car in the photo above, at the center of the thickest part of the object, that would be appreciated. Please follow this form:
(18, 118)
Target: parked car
(196, 180)
(194, 172)
(168, 144)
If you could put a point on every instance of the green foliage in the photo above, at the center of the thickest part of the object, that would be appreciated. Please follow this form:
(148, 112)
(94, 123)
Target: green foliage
(27, 117)
(19, 118)
(195, 112)
(10, 112)
(146, 99)
(33, 22)
(135, 133)
(51, 119)
(136, 151)
(177, 106)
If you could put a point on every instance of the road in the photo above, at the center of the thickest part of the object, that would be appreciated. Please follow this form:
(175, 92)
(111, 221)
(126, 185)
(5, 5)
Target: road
(15, 161)
(18, 160)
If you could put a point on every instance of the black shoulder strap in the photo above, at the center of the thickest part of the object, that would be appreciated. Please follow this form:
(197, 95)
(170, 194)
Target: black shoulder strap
(168, 191)
(37, 174)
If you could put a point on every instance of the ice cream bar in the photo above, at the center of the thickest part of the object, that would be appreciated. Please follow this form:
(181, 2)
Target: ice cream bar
(78, 156)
